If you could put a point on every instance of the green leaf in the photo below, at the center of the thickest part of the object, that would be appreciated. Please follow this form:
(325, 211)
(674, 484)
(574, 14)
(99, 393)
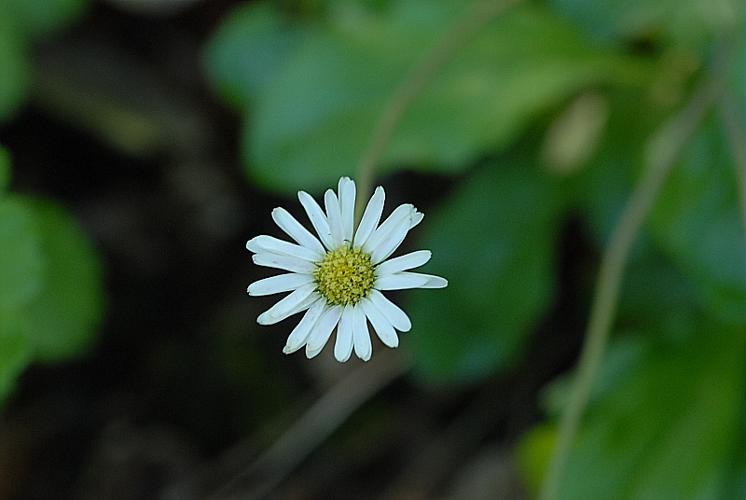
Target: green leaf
(604, 185)
(36, 18)
(4, 170)
(669, 430)
(533, 453)
(238, 75)
(14, 74)
(737, 471)
(697, 221)
(689, 21)
(656, 298)
(656, 293)
(21, 256)
(313, 114)
(494, 241)
(22, 22)
(62, 318)
(622, 357)
(15, 353)
(736, 70)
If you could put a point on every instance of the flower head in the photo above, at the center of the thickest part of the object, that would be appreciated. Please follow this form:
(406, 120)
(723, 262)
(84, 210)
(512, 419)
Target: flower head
(338, 277)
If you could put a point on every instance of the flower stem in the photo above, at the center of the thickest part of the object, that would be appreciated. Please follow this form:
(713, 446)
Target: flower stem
(478, 16)
(663, 150)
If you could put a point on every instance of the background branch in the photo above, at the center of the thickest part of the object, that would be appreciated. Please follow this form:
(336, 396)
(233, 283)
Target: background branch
(478, 16)
(663, 150)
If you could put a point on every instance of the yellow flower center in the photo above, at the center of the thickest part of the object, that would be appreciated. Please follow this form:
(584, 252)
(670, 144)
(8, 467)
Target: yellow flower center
(345, 276)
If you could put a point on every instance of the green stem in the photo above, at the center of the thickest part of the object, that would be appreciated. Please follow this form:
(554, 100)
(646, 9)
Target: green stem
(663, 150)
(478, 16)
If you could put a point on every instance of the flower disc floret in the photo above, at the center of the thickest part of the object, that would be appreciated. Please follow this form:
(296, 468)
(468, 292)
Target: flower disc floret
(345, 276)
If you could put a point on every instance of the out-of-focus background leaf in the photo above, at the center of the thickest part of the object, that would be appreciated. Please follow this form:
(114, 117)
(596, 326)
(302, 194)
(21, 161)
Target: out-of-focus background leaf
(686, 22)
(36, 18)
(661, 433)
(496, 233)
(51, 292)
(698, 220)
(14, 76)
(21, 260)
(15, 353)
(61, 319)
(21, 23)
(323, 86)
(4, 170)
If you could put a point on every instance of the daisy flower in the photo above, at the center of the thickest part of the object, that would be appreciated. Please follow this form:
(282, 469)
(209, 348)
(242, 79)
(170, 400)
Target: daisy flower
(337, 278)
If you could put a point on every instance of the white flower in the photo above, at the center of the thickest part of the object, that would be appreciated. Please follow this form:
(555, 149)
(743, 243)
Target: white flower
(338, 277)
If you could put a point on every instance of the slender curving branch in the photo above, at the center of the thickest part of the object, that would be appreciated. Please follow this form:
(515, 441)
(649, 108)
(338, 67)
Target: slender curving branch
(663, 150)
(478, 16)
(312, 428)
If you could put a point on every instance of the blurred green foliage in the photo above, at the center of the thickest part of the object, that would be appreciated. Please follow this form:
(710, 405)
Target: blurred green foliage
(23, 22)
(501, 279)
(585, 84)
(314, 91)
(669, 22)
(4, 170)
(51, 292)
(61, 318)
(666, 428)
(698, 222)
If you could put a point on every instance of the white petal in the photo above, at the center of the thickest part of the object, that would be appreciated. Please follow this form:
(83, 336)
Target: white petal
(400, 281)
(317, 218)
(295, 230)
(360, 334)
(322, 331)
(404, 262)
(401, 213)
(380, 324)
(299, 300)
(271, 244)
(343, 346)
(279, 284)
(285, 262)
(346, 193)
(371, 216)
(391, 242)
(396, 234)
(334, 217)
(431, 280)
(391, 311)
(299, 335)
(416, 219)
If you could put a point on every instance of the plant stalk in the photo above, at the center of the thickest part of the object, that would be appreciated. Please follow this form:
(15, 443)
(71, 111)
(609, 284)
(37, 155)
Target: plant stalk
(662, 152)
